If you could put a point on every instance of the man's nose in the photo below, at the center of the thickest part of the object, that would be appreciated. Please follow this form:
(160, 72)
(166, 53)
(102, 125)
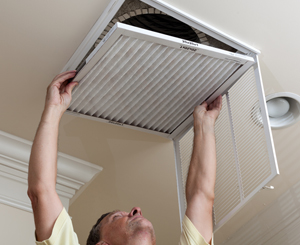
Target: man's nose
(135, 211)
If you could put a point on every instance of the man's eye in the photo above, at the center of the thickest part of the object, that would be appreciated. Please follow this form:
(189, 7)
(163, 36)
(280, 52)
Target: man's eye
(118, 215)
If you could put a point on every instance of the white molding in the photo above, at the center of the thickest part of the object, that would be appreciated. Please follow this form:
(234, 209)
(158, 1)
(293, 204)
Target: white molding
(72, 173)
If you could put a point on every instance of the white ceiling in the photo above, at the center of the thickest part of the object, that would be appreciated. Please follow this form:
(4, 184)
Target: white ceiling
(38, 38)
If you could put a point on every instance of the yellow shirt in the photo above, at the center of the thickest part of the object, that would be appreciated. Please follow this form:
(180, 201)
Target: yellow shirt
(190, 235)
(63, 232)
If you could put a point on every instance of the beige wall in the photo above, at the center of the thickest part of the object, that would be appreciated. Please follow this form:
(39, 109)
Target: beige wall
(17, 226)
(138, 170)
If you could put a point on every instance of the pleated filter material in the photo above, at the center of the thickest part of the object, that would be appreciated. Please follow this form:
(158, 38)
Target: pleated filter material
(242, 155)
(149, 85)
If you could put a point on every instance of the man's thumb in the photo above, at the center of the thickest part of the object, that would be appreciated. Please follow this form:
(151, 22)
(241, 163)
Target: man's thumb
(70, 87)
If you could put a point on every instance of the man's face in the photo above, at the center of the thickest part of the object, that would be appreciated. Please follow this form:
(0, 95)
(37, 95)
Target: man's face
(126, 228)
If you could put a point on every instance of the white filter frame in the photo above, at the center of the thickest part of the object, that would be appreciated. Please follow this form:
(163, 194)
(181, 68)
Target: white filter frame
(121, 29)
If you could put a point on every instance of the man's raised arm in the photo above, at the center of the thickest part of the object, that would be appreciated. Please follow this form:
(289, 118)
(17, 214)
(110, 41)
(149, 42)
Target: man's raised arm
(42, 171)
(201, 178)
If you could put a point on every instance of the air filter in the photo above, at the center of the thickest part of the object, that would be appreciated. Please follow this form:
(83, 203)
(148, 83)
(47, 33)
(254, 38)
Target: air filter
(139, 78)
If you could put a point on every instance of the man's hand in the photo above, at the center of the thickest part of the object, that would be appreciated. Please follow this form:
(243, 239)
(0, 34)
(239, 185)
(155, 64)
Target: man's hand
(59, 92)
(207, 114)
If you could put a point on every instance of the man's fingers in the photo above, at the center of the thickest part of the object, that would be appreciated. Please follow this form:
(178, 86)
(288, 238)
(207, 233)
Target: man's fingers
(63, 78)
(219, 102)
(70, 87)
(216, 104)
(66, 76)
(210, 106)
(204, 104)
(62, 74)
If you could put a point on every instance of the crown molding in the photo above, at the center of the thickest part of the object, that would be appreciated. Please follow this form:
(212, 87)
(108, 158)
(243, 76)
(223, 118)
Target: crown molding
(72, 173)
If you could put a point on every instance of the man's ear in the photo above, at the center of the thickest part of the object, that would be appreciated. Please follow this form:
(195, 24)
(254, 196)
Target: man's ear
(102, 243)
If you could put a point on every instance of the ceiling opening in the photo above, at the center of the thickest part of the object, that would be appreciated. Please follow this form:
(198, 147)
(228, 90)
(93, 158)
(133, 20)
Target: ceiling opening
(142, 15)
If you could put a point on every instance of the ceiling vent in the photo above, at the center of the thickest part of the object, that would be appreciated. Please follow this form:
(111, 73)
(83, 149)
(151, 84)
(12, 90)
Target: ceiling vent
(145, 65)
(243, 164)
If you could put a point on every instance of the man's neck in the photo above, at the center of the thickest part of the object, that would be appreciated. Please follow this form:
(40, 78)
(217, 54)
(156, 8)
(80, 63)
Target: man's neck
(142, 239)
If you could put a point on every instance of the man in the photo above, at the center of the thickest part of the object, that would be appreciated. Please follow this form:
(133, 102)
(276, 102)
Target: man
(53, 224)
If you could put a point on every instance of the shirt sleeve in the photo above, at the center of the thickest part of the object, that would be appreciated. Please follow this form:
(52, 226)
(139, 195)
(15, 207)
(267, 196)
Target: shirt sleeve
(62, 233)
(190, 235)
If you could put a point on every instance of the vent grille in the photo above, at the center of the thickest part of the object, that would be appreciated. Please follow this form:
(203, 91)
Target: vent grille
(186, 148)
(254, 164)
(228, 190)
(148, 84)
(243, 164)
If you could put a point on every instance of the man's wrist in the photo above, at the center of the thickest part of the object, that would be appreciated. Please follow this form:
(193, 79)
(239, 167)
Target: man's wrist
(52, 115)
(204, 128)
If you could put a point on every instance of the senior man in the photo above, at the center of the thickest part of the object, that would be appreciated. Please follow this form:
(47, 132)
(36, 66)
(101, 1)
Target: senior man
(52, 222)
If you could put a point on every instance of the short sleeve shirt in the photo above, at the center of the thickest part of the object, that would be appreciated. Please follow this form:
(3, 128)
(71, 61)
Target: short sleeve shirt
(63, 232)
(190, 235)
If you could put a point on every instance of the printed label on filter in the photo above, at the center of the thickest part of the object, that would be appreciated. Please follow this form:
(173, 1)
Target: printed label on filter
(116, 123)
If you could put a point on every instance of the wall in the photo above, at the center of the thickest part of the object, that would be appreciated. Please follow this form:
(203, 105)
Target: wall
(17, 226)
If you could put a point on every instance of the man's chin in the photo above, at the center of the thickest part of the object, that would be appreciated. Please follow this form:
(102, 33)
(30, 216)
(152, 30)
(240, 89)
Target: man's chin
(144, 233)
(142, 225)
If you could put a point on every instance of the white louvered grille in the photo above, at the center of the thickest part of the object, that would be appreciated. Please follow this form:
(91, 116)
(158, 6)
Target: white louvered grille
(242, 156)
(227, 191)
(186, 148)
(254, 162)
(149, 85)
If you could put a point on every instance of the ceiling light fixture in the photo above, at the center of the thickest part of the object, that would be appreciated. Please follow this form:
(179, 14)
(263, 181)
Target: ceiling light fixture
(283, 109)
(278, 107)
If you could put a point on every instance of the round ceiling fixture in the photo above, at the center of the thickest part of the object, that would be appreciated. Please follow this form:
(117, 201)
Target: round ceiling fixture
(283, 109)
(278, 107)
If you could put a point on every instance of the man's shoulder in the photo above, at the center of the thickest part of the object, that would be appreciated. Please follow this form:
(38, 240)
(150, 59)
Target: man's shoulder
(62, 232)
(190, 235)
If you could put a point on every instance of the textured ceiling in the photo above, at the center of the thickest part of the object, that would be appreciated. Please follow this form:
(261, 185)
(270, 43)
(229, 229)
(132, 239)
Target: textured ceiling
(38, 38)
